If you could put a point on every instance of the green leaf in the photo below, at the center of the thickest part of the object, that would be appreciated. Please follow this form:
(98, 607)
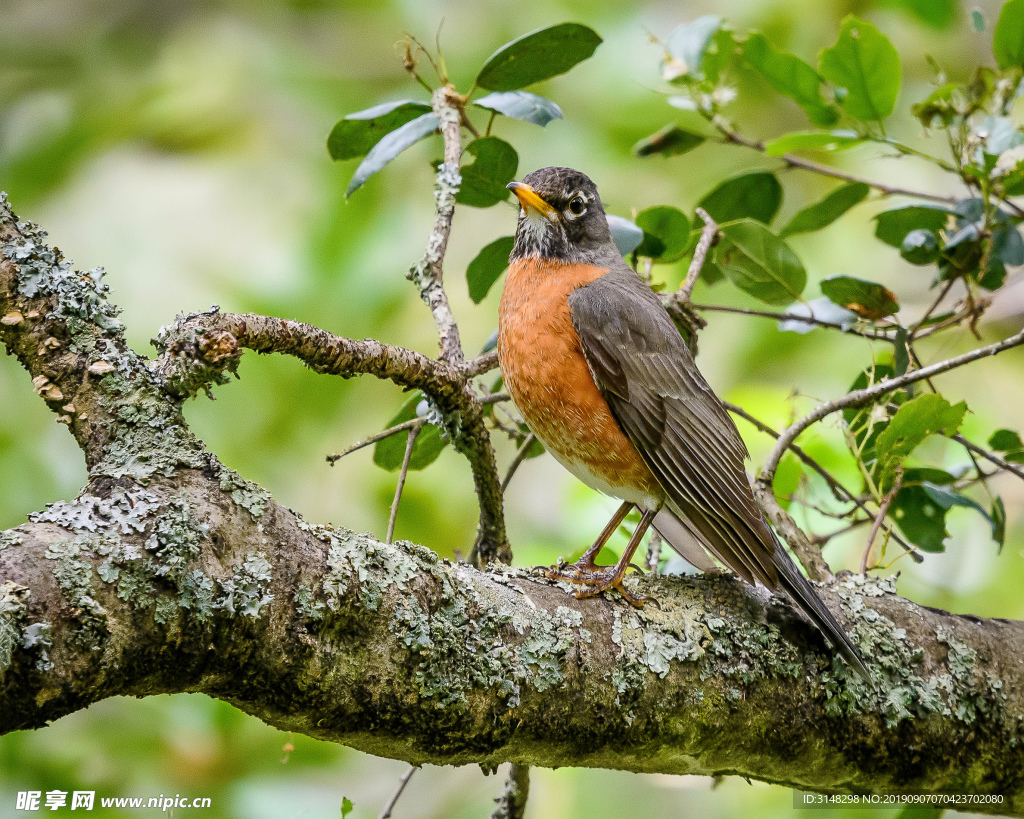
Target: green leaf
(483, 182)
(900, 351)
(977, 21)
(947, 499)
(759, 263)
(346, 806)
(521, 105)
(824, 213)
(1008, 246)
(537, 56)
(999, 522)
(937, 105)
(920, 247)
(1008, 37)
(755, 195)
(998, 135)
(357, 133)
(892, 226)
(686, 46)
(920, 518)
(489, 263)
(711, 273)
(666, 233)
(627, 235)
(867, 299)
(918, 418)
(389, 452)
(922, 521)
(390, 146)
(718, 54)
(863, 422)
(790, 75)
(1005, 440)
(1008, 442)
(669, 141)
(865, 68)
(813, 141)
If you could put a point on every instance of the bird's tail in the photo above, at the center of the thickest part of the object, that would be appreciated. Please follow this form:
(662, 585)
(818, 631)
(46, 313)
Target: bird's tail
(679, 536)
(804, 595)
(689, 543)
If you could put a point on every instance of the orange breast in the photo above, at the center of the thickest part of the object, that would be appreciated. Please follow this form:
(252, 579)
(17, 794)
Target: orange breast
(547, 376)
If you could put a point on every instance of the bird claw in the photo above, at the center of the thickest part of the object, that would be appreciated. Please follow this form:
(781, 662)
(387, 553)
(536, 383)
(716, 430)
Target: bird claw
(596, 579)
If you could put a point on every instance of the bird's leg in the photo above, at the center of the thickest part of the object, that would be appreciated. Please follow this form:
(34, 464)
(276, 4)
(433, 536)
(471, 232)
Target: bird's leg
(613, 579)
(585, 570)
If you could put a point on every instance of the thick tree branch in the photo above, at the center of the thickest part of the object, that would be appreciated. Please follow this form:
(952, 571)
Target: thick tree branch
(391, 650)
(188, 365)
(170, 573)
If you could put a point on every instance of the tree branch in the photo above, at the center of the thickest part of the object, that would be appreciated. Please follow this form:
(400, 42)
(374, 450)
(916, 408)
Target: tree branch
(387, 648)
(795, 161)
(700, 254)
(348, 639)
(874, 333)
(428, 273)
(839, 492)
(859, 398)
(186, 367)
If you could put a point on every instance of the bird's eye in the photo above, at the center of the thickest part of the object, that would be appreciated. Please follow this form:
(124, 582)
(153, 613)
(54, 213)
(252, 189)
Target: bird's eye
(577, 206)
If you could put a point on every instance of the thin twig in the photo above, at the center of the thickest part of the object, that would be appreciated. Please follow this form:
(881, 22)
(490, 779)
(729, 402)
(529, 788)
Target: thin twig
(707, 238)
(481, 364)
(931, 309)
(821, 540)
(858, 398)
(495, 398)
(380, 436)
(653, 558)
(401, 483)
(390, 806)
(840, 492)
(988, 456)
(807, 553)
(512, 803)
(883, 509)
(794, 161)
(428, 273)
(521, 454)
(875, 333)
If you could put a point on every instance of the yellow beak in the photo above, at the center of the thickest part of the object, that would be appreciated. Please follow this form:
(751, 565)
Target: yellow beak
(529, 199)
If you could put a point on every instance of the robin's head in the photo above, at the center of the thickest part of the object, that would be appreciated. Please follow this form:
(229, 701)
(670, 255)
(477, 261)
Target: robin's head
(561, 218)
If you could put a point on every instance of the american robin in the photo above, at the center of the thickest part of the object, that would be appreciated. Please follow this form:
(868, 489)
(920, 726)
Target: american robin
(605, 381)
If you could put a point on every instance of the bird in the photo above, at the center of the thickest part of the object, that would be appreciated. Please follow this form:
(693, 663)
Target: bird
(605, 381)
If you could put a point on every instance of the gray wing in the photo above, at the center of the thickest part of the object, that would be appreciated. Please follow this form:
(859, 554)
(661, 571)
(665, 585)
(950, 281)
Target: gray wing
(666, 408)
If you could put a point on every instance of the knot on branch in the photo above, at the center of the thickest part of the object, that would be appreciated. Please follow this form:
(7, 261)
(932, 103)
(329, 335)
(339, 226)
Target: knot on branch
(194, 357)
(41, 272)
(686, 318)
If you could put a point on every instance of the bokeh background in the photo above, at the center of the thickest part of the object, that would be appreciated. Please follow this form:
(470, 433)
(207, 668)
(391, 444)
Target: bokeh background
(182, 147)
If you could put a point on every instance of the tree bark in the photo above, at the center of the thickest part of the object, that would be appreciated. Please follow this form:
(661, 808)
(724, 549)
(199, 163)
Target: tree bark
(171, 573)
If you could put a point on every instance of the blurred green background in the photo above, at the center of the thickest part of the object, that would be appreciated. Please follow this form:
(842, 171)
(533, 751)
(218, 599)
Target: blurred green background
(181, 147)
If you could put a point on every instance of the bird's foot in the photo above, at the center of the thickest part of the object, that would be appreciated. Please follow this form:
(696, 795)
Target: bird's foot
(596, 579)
